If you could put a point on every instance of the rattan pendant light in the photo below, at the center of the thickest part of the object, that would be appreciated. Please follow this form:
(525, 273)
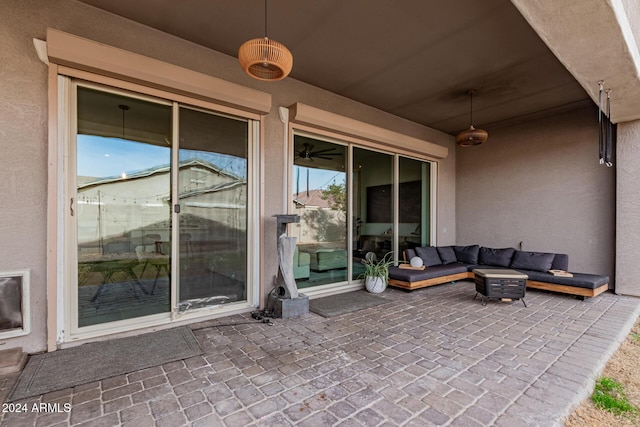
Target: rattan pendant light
(471, 136)
(265, 59)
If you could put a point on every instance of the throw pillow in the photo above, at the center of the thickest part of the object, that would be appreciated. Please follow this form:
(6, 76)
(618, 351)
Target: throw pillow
(536, 261)
(429, 255)
(409, 253)
(447, 254)
(560, 262)
(467, 254)
(497, 257)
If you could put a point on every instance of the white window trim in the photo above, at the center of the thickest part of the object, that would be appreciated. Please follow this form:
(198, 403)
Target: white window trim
(352, 141)
(67, 331)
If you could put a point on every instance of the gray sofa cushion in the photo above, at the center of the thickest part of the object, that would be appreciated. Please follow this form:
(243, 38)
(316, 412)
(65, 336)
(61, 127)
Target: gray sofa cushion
(468, 254)
(536, 261)
(408, 275)
(560, 262)
(429, 255)
(579, 280)
(409, 253)
(496, 257)
(447, 254)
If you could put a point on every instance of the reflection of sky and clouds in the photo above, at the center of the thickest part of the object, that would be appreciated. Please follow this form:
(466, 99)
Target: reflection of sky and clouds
(318, 178)
(111, 157)
(102, 157)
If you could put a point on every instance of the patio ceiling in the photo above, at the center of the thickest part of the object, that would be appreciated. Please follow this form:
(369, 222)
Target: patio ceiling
(415, 58)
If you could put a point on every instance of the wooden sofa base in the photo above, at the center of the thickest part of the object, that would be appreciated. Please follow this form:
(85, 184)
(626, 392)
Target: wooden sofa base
(430, 282)
(571, 290)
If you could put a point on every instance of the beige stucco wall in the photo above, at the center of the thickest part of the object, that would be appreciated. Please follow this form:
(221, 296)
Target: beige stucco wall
(23, 131)
(540, 183)
(628, 212)
(632, 10)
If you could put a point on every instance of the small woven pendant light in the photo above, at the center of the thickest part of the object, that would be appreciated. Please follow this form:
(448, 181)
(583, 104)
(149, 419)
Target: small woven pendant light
(265, 59)
(471, 136)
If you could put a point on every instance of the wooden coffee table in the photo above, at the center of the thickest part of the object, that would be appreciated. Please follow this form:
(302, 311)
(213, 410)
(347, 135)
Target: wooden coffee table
(500, 284)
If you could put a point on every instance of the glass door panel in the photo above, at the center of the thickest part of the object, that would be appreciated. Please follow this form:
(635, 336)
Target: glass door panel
(414, 204)
(212, 193)
(320, 198)
(122, 209)
(372, 206)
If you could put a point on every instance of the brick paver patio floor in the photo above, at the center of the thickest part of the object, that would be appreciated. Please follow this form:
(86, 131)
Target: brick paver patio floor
(431, 357)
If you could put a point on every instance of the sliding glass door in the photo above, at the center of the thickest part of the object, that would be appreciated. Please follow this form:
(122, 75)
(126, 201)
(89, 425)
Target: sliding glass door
(159, 207)
(320, 198)
(414, 204)
(123, 206)
(212, 193)
(373, 200)
(386, 195)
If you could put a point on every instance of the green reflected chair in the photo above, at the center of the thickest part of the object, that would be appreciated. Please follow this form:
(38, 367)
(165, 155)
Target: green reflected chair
(301, 265)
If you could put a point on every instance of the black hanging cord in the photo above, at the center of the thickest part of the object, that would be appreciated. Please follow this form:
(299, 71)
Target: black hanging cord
(265, 18)
(609, 140)
(123, 108)
(471, 107)
(601, 124)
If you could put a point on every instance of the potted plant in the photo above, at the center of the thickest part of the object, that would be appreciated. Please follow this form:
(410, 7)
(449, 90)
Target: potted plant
(376, 273)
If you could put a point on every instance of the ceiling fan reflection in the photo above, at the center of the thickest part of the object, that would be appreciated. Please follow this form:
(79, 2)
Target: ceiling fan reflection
(308, 153)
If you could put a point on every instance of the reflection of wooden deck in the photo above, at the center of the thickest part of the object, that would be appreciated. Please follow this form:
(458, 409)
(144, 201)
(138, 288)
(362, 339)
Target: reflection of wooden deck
(123, 257)
(99, 258)
(206, 246)
(190, 247)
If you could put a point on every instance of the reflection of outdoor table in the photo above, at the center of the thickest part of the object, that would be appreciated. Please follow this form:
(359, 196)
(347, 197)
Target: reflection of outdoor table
(108, 265)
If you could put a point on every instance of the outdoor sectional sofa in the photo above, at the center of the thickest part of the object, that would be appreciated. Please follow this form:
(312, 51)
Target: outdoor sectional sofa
(450, 263)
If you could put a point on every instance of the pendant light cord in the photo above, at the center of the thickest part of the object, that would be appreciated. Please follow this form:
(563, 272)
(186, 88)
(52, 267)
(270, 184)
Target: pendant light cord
(265, 18)
(471, 107)
(265, 53)
(124, 108)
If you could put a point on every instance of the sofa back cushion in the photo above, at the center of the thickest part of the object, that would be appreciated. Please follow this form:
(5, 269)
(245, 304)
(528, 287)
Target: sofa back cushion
(497, 257)
(447, 254)
(408, 254)
(467, 254)
(536, 261)
(429, 255)
(560, 262)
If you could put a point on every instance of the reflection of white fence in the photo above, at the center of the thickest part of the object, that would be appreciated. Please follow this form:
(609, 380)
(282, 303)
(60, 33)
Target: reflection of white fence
(122, 211)
(319, 225)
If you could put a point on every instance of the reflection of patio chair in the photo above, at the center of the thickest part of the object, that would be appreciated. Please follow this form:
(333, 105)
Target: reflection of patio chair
(151, 239)
(186, 245)
(301, 262)
(147, 254)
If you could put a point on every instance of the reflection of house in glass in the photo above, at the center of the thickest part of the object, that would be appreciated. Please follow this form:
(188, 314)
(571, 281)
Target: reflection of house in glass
(116, 214)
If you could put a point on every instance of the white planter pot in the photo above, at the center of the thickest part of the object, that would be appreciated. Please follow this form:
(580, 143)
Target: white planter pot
(374, 284)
